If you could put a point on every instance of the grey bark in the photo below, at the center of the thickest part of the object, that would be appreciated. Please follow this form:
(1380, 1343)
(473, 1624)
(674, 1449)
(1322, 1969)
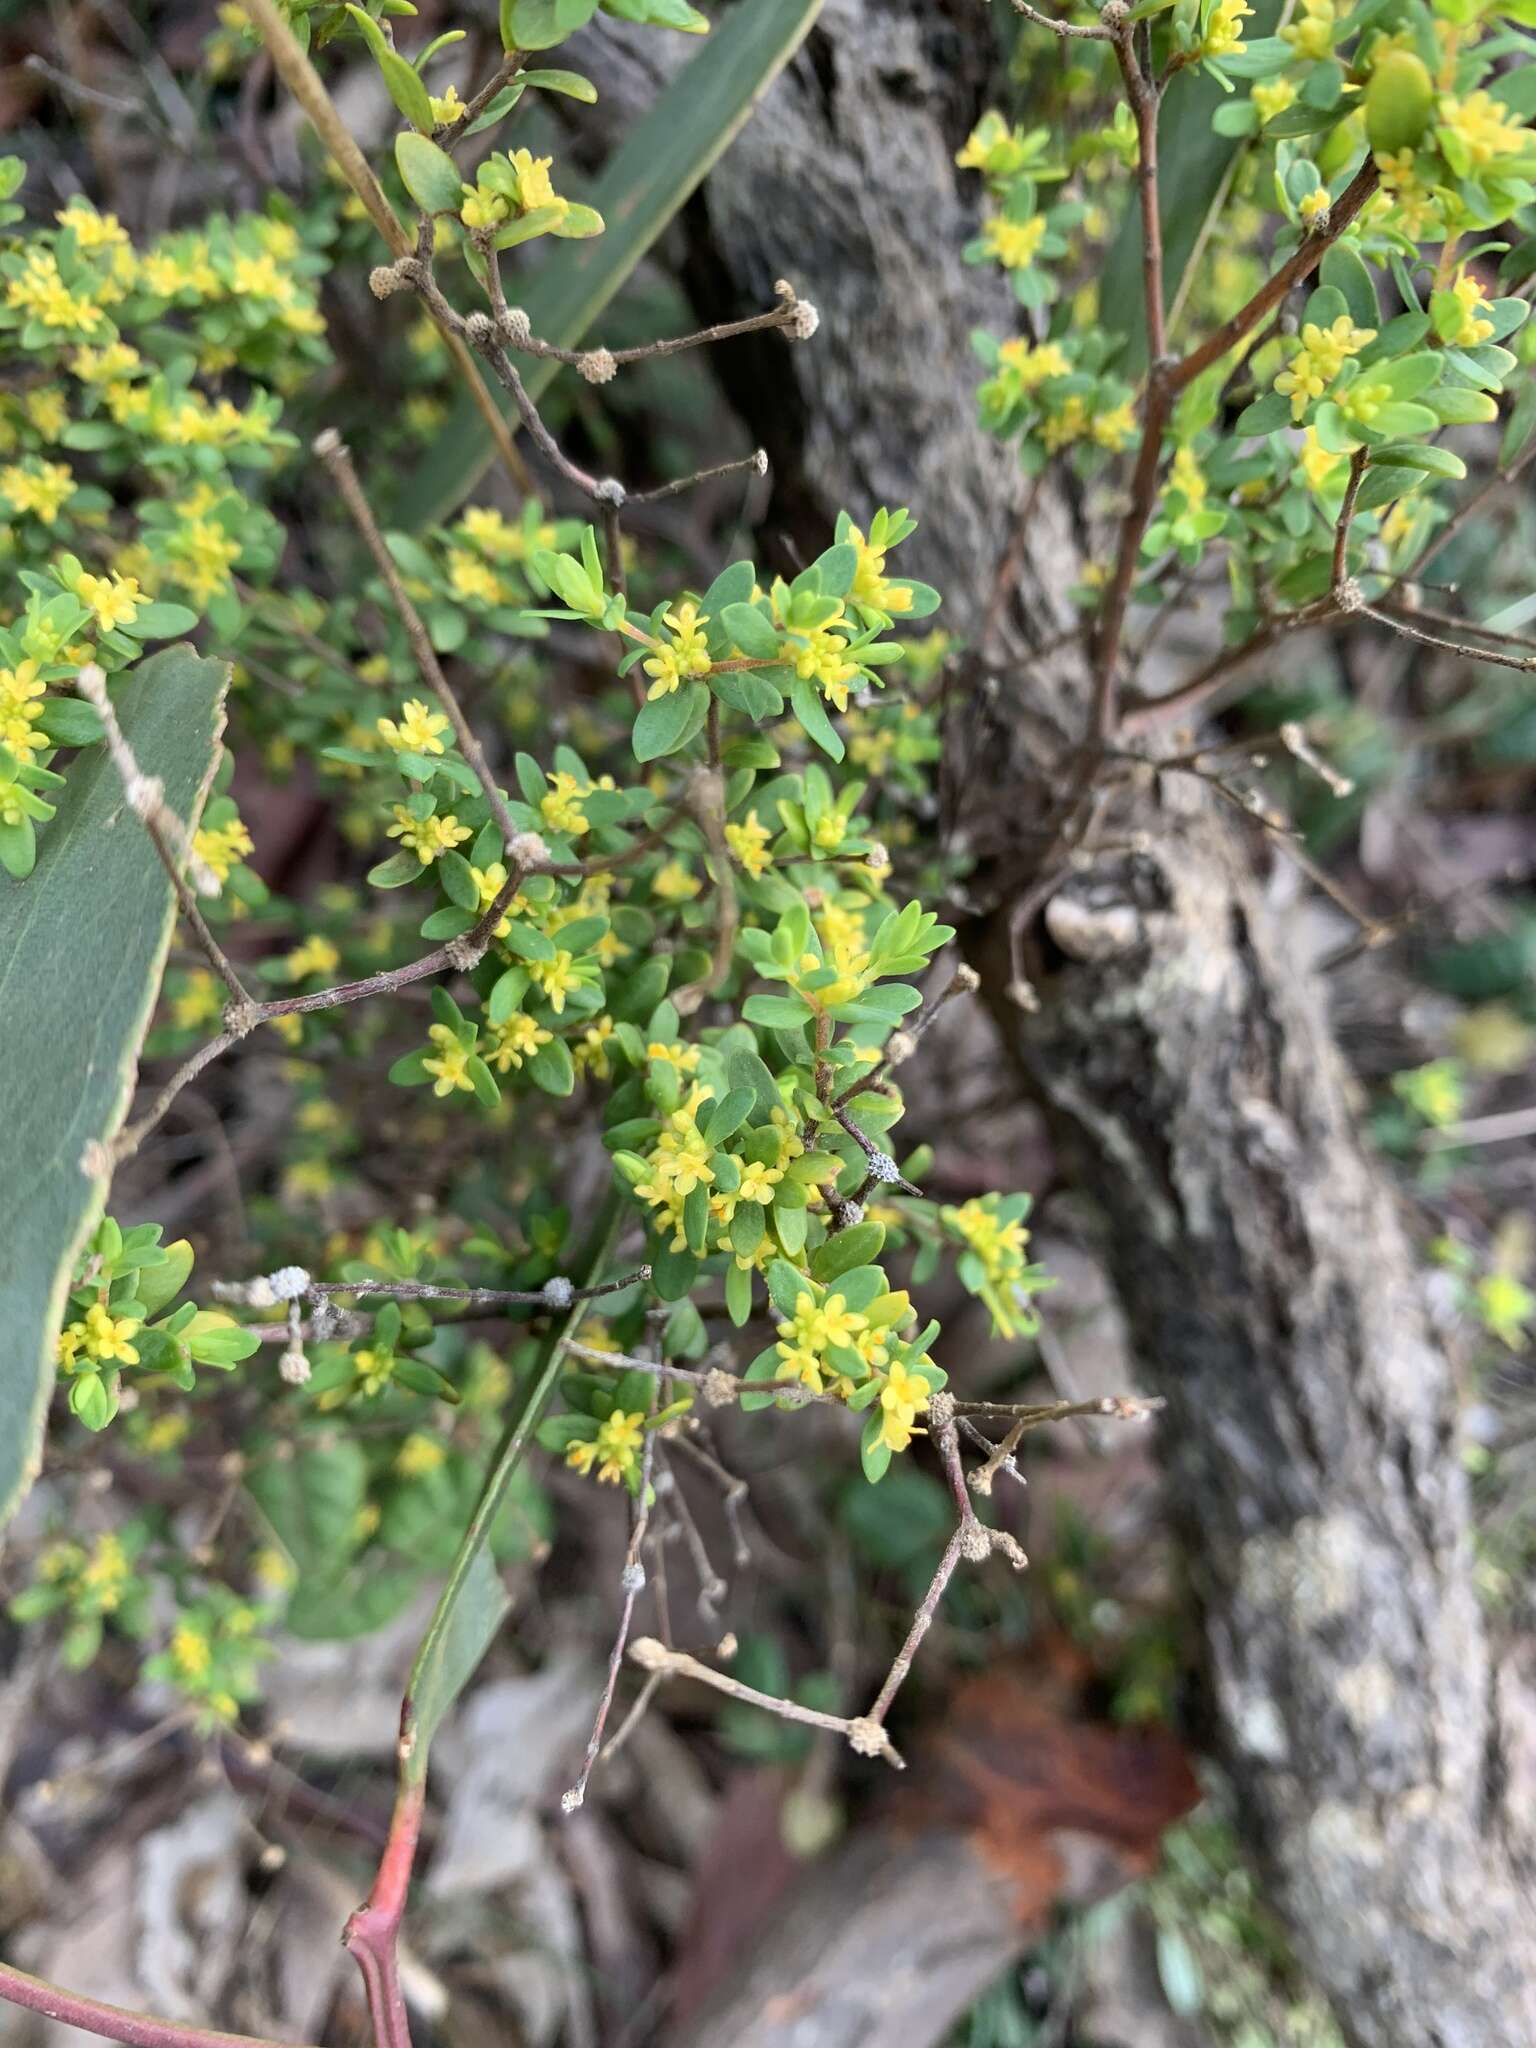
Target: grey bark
(1383, 1760)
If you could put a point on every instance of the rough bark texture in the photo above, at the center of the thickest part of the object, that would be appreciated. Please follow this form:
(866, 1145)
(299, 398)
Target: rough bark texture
(1190, 1076)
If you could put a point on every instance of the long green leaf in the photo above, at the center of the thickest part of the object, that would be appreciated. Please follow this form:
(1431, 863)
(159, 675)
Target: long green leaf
(660, 164)
(473, 1602)
(82, 944)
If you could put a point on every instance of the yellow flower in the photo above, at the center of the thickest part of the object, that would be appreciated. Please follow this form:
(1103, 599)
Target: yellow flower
(869, 584)
(1116, 428)
(47, 411)
(419, 730)
(615, 1450)
(427, 837)
(556, 978)
(1314, 206)
(114, 599)
(419, 1455)
(1069, 424)
(674, 884)
(1482, 125)
(1184, 476)
(483, 210)
(590, 1056)
(191, 1653)
(470, 578)
(684, 655)
(450, 1065)
(218, 847)
(316, 956)
(40, 291)
(1273, 97)
(1032, 366)
(103, 1337)
(1471, 298)
(757, 1181)
(684, 1057)
(99, 365)
(533, 186)
(1317, 463)
(1224, 30)
(561, 809)
(1312, 35)
(446, 106)
(1014, 242)
(749, 842)
(823, 660)
(903, 1398)
(518, 1038)
(1318, 361)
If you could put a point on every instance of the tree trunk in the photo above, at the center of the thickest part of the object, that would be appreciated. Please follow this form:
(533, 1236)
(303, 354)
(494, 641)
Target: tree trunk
(1192, 1082)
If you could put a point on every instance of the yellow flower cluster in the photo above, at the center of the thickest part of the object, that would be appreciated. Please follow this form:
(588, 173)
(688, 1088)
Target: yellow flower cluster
(1013, 243)
(1483, 126)
(615, 1451)
(98, 1338)
(1224, 30)
(748, 841)
(1000, 1249)
(427, 837)
(41, 488)
(218, 847)
(21, 705)
(870, 585)
(419, 730)
(449, 1066)
(1322, 354)
(1031, 365)
(686, 654)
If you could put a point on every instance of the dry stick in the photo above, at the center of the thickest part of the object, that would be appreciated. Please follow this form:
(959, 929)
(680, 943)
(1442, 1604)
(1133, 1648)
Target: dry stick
(867, 1738)
(1215, 674)
(1494, 656)
(712, 1587)
(259, 1292)
(971, 1539)
(791, 314)
(304, 82)
(1496, 634)
(242, 1021)
(168, 835)
(1062, 28)
(757, 461)
(963, 982)
(734, 1493)
(333, 452)
(1483, 1130)
(632, 1580)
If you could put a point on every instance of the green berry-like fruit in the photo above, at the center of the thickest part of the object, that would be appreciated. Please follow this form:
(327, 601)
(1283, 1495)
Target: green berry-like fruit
(1399, 102)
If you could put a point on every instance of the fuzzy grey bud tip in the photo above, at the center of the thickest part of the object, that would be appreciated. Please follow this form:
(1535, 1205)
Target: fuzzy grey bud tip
(478, 329)
(528, 850)
(867, 1737)
(294, 1367)
(288, 1283)
(609, 491)
(633, 1580)
(572, 1801)
(597, 366)
(558, 1292)
(803, 322)
(883, 1168)
(719, 1388)
(517, 327)
(975, 1543)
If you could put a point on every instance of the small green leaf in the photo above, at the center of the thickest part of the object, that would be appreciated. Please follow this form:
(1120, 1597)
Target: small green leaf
(751, 632)
(430, 174)
(664, 724)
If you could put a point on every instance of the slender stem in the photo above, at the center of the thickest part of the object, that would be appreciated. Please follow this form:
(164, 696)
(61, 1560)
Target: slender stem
(372, 1934)
(657, 1659)
(1495, 656)
(757, 461)
(631, 1581)
(112, 2022)
(1156, 403)
(1093, 34)
(304, 82)
(333, 452)
(1341, 528)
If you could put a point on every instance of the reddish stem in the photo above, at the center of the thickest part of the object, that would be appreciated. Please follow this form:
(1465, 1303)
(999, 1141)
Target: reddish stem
(112, 2022)
(372, 1935)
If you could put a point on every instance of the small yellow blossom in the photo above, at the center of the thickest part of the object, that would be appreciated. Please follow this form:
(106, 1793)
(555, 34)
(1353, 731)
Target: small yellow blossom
(450, 1064)
(561, 808)
(427, 837)
(615, 1451)
(555, 978)
(517, 1038)
(115, 600)
(1224, 30)
(419, 731)
(1033, 366)
(316, 955)
(1116, 428)
(1272, 97)
(749, 842)
(420, 1454)
(1471, 298)
(1014, 243)
(1318, 361)
(218, 847)
(674, 884)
